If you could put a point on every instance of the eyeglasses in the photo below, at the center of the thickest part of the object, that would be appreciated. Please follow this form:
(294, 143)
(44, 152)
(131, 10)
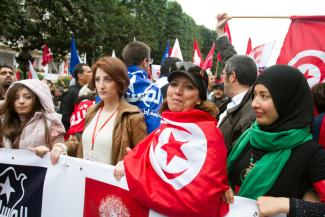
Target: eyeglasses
(7, 72)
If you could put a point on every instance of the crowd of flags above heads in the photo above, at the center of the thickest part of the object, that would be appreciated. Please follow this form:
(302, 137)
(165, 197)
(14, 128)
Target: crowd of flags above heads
(303, 51)
(261, 54)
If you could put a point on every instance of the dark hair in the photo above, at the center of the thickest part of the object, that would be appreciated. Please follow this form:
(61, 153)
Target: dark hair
(135, 52)
(167, 64)
(78, 69)
(11, 123)
(116, 69)
(6, 66)
(244, 67)
(318, 91)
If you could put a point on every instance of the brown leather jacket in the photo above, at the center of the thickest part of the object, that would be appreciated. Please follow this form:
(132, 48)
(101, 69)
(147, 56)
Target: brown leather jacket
(237, 120)
(129, 129)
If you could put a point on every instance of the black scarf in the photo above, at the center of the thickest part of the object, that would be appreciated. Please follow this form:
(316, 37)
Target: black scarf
(291, 96)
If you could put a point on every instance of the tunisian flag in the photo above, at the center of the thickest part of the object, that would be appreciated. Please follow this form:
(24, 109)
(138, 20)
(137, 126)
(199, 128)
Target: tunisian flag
(304, 47)
(261, 54)
(209, 59)
(180, 168)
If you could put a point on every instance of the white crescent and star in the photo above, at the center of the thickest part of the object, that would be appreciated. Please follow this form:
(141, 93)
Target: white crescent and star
(179, 153)
(312, 64)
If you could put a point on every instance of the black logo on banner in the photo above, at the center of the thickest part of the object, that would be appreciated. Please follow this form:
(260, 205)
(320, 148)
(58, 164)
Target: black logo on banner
(21, 190)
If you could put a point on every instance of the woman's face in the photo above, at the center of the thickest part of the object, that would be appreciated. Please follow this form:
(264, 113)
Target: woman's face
(182, 95)
(263, 106)
(106, 87)
(24, 102)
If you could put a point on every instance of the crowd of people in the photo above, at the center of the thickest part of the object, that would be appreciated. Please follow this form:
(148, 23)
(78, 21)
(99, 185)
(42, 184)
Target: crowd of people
(269, 133)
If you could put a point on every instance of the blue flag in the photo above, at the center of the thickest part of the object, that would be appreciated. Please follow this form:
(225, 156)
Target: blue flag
(166, 53)
(74, 58)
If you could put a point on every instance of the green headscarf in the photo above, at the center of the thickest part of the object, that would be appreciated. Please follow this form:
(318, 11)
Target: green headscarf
(266, 171)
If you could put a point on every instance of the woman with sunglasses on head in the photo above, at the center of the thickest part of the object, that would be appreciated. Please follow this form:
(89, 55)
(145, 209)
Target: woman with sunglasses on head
(29, 120)
(276, 156)
(113, 124)
(187, 143)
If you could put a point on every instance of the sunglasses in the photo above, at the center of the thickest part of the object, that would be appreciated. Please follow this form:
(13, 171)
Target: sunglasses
(190, 68)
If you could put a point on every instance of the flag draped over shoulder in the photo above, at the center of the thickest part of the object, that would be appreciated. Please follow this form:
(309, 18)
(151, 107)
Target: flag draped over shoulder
(74, 58)
(180, 168)
(304, 47)
(209, 59)
(197, 57)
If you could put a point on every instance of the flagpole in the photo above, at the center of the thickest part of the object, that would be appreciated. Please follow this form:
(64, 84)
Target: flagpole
(263, 17)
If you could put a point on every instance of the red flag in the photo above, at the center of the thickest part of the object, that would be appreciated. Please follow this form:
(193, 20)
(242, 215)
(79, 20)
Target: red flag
(180, 168)
(47, 56)
(77, 119)
(249, 46)
(304, 47)
(209, 59)
(103, 199)
(197, 57)
(227, 30)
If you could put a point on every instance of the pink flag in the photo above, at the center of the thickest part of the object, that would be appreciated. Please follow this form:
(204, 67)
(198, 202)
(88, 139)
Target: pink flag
(261, 54)
(249, 46)
(209, 59)
(176, 52)
(197, 57)
(304, 47)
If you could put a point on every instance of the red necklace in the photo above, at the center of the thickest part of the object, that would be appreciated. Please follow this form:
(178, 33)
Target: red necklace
(94, 133)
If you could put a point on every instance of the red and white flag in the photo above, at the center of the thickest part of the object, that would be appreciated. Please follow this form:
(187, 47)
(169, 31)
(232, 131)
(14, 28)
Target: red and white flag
(197, 57)
(304, 47)
(176, 52)
(180, 169)
(209, 59)
(261, 54)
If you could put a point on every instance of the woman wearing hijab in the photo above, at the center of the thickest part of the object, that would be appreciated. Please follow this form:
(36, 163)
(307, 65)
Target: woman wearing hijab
(276, 156)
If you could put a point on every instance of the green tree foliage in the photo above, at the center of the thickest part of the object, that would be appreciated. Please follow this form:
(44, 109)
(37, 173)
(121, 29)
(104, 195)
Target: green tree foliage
(99, 26)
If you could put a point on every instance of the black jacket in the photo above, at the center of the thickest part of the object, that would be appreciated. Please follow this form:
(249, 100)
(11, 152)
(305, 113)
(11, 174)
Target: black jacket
(67, 104)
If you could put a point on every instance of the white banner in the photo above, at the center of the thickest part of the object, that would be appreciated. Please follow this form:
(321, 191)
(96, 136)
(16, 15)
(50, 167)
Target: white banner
(32, 187)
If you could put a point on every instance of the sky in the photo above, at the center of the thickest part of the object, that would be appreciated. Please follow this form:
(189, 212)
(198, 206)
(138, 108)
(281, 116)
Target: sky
(259, 30)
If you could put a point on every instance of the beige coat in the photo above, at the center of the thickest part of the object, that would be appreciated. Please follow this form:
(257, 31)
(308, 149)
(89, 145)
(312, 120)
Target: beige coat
(129, 129)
